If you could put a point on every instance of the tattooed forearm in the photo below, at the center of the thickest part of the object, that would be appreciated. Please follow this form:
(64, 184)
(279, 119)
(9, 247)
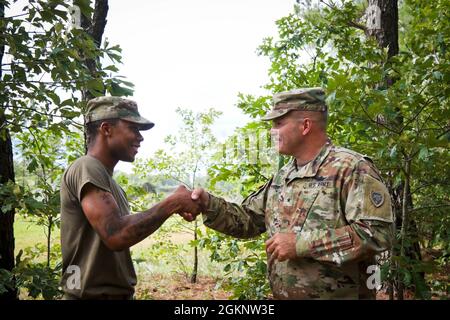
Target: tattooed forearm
(146, 223)
(120, 230)
(128, 230)
(113, 226)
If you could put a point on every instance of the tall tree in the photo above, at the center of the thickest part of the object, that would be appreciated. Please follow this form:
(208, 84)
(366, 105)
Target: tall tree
(382, 23)
(6, 174)
(94, 23)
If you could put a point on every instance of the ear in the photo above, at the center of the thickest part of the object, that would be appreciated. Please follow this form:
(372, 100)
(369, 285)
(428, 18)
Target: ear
(106, 129)
(306, 126)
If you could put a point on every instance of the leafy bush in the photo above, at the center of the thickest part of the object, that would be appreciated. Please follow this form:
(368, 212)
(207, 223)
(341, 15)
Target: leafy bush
(244, 264)
(32, 276)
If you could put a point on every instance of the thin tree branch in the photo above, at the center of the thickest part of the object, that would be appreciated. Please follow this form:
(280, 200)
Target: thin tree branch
(417, 114)
(376, 122)
(349, 23)
(434, 183)
(446, 131)
(430, 207)
(42, 113)
(357, 25)
(11, 17)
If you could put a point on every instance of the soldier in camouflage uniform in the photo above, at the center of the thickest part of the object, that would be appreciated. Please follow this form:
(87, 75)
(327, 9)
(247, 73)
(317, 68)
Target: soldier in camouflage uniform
(327, 212)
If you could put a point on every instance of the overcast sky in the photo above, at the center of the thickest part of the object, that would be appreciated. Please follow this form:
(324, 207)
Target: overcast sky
(193, 54)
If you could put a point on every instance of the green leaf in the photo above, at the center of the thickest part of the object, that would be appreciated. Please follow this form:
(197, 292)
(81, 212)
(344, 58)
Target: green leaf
(95, 84)
(6, 207)
(111, 68)
(393, 152)
(67, 102)
(423, 154)
(438, 75)
(85, 6)
(33, 165)
(117, 90)
(55, 98)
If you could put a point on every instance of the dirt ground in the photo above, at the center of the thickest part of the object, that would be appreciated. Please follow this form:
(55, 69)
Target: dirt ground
(178, 287)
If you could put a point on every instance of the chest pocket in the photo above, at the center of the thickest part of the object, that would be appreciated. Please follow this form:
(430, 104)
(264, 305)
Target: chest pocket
(288, 208)
(325, 212)
(302, 208)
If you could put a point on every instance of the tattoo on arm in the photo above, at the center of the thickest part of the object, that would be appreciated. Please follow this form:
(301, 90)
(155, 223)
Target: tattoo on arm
(112, 226)
(130, 229)
(104, 196)
(113, 221)
(146, 223)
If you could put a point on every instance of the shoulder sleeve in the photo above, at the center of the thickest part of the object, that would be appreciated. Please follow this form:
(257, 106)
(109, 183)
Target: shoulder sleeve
(368, 211)
(84, 171)
(367, 198)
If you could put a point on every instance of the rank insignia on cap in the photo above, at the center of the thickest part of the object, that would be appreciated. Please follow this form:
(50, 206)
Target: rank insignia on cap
(377, 198)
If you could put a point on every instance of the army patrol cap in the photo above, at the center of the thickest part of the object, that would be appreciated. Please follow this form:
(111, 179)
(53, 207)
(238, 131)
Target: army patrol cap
(102, 108)
(304, 99)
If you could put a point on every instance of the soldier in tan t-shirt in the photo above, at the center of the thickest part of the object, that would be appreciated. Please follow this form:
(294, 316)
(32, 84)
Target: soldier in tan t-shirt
(97, 229)
(327, 212)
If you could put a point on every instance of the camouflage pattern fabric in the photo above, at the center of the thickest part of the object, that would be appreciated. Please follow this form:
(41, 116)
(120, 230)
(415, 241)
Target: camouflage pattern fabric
(304, 99)
(109, 107)
(341, 212)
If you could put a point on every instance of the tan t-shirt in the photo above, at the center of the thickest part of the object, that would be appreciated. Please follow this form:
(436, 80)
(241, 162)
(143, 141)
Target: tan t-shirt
(90, 269)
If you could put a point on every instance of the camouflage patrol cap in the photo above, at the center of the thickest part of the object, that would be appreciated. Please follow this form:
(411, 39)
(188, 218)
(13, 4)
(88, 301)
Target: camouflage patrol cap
(304, 99)
(102, 108)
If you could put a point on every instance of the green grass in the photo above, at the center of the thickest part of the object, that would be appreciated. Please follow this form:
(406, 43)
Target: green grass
(147, 258)
(27, 234)
(180, 261)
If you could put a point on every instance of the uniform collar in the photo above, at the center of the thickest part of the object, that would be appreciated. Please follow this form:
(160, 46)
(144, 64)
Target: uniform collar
(310, 169)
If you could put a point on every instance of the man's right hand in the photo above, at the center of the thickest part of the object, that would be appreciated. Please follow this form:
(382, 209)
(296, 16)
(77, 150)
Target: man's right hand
(182, 199)
(201, 197)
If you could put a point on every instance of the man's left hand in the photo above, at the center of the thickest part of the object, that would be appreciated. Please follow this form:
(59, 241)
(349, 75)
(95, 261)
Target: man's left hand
(281, 247)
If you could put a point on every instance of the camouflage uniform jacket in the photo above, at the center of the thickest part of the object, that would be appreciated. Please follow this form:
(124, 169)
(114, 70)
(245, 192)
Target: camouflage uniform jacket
(341, 212)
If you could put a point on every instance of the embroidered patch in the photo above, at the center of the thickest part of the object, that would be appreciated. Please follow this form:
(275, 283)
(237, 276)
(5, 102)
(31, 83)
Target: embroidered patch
(377, 198)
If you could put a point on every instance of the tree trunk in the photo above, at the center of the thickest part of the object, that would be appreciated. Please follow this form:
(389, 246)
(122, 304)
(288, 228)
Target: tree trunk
(6, 174)
(195, 269)
(95, 27)
(382, 24)
(404, 226)
(6, 218)
(49, 239)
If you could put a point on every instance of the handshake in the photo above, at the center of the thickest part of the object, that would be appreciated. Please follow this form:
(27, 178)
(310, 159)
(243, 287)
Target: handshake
(189, 204)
